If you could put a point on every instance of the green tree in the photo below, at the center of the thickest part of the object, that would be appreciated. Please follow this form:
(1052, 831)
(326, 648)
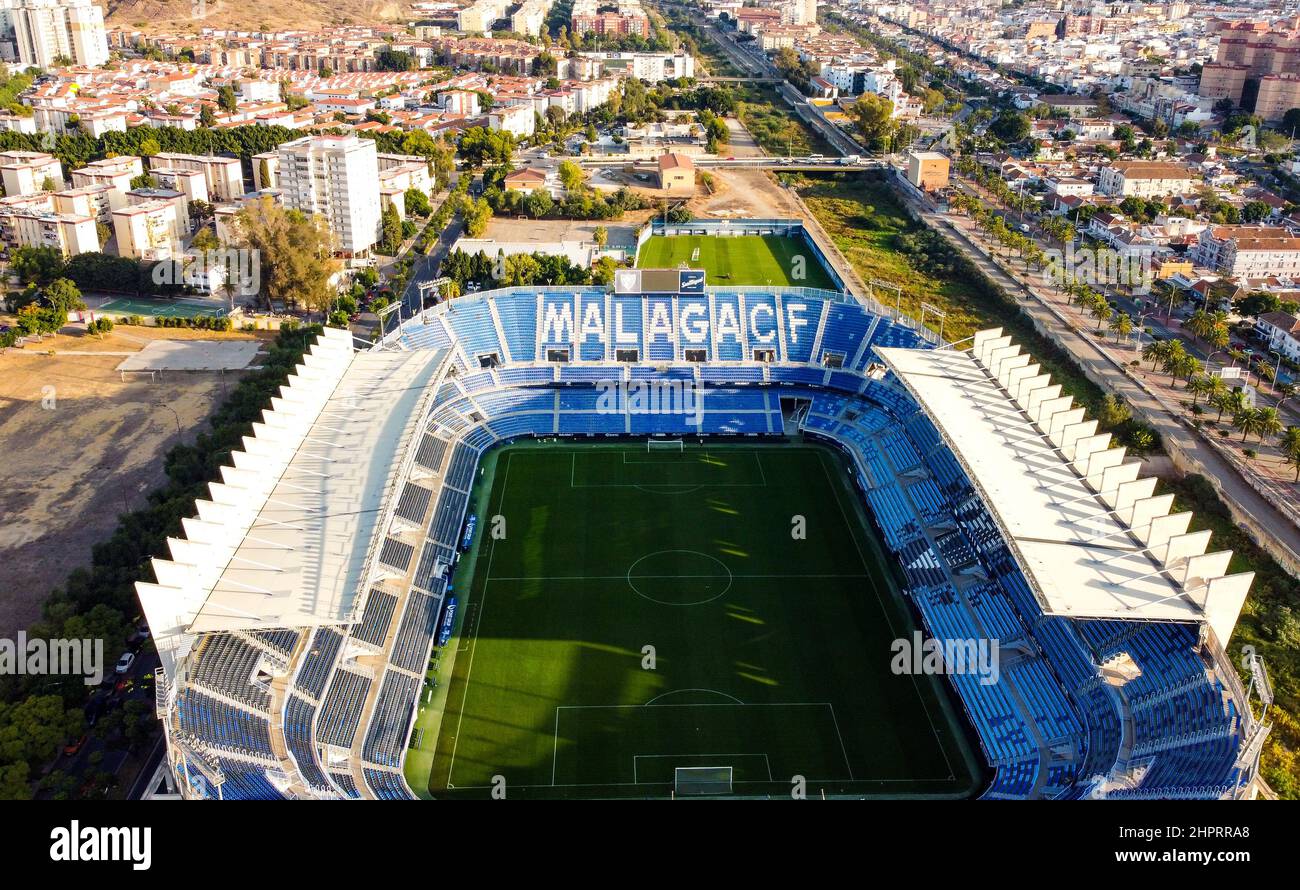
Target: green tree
(227, 100)
(295, 252)
(390, 241)
(874, 118)
(416, 203)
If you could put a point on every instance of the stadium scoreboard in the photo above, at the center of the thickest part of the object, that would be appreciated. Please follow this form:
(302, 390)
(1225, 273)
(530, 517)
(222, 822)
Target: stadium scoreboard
(659, 281)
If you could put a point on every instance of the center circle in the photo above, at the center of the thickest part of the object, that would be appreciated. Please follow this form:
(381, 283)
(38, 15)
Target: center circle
(679, 578)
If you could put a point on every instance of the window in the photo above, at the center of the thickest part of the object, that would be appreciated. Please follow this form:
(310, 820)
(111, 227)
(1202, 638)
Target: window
(765, 355)
(696, 355)
(557, 355)
(627, 355)
(833, 359)
(489, 360)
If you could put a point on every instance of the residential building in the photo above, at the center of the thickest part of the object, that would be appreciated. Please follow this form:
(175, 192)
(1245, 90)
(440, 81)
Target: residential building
(28, 172)
(50, 32)
(147, 230)
(1282, 331)
(225, 176)
(927, 170)
(676, 174)
(1145, 179)
(1248, 251)
(336, 177)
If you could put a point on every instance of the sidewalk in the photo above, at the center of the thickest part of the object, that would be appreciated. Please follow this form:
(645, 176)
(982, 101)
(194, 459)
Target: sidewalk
(1270, 526)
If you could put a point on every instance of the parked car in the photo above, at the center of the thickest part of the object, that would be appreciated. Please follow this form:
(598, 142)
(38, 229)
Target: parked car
(73, 747)
(124, 663)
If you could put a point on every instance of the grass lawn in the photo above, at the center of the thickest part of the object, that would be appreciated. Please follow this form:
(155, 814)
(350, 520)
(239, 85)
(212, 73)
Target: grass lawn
(738, 260)
(692, 630)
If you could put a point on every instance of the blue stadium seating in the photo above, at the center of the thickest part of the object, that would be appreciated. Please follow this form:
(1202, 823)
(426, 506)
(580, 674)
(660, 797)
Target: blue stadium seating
(1049, 726)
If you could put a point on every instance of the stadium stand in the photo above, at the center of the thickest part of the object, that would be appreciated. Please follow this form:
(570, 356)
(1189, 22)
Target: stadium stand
(1051, 724)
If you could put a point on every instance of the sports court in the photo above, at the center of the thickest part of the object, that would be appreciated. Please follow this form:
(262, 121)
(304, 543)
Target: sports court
(699, 647)
(738, 260)
(163, 308)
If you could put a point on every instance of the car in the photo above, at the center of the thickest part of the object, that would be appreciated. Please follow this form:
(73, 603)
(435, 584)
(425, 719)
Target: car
(124, 663)
(73, 747)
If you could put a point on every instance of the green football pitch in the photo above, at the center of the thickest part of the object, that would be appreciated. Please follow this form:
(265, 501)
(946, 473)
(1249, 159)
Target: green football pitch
(628, 613)
(740, 260)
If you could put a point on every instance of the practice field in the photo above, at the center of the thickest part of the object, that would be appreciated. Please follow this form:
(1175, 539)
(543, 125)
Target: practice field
(740, 260)
(721, 609)
(162, 308)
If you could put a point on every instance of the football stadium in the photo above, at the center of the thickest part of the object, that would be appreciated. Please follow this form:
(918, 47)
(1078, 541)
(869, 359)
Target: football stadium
(682, 537)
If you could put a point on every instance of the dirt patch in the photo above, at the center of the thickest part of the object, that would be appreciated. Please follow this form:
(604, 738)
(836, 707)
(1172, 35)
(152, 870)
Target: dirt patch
(81, 445)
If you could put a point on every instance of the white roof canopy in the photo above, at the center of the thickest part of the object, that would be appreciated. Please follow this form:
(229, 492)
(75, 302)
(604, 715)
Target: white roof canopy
(283, 540)
(1092, 538)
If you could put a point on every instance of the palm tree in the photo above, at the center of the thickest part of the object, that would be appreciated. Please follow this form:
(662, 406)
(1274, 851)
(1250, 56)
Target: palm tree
(1100, 310)
(1154, 351)
(1287, 391)
(1290, 446)
(1268, 423)
(1228, 402)
(1174, 358)
(1121, 325)
(1246, 420)
(1200, 385)
(1199, 324)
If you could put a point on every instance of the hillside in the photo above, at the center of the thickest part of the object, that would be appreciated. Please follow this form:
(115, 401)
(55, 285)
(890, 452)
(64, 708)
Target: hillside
(172, 15)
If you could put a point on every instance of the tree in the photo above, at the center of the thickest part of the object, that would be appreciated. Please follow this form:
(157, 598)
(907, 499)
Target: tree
(1140, 442)
(390, 224)
(1113, 413)
(1121, 325)
(1010, 127)
(539, 203)
(572, 177)
(37, 265)
(207, 118)
(600, 236)
(874, 117)
(227, 100)
(1247, 420)
(295, 252)
(1268, 423)
(477, 213)
(1290, 445)
(1228, 402)
(63, 295)
(416, 203)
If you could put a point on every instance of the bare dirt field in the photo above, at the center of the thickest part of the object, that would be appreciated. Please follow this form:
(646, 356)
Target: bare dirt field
(745, 194)
(79, 445)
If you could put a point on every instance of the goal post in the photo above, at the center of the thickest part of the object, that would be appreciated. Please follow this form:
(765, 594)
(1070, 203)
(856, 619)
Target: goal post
(695, 780)
(665, 445)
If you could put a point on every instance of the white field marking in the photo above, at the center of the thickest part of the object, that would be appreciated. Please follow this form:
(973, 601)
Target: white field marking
(835, 491)
(487, 578)
(843, 750)
(636, 757)
(731, 579)
(811, 704)
(680, 691)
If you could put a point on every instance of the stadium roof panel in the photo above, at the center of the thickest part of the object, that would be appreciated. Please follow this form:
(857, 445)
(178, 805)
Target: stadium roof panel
(1093, 539)
(285, 537)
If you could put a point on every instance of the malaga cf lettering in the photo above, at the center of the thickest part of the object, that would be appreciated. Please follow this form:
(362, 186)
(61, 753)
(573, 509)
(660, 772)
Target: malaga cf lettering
(627, 322)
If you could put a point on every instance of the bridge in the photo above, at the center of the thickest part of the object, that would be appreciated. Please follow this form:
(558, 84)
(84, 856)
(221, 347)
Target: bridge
(808, 163)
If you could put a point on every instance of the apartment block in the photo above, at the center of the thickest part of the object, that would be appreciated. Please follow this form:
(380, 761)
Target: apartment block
(1248, 251)
(225, 176)
(28, 172)
(1145, 179)
(336, 177)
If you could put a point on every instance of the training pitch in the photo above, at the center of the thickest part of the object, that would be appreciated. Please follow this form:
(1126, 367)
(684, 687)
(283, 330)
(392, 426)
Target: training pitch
(739, 260)
(643, 611)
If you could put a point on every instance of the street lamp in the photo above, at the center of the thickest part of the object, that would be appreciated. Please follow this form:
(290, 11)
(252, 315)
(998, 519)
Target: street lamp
(1137, 340)
(174, 414)
(1277, 368)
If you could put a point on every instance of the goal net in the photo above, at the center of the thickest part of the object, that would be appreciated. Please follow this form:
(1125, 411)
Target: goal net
(692, 780)
(665, 445)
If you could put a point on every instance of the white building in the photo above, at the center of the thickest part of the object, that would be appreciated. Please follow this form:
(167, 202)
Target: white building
(50, 30)
(518, 120)
(28, 172)
(336, 177)
(1282, 330)
(1248, 251)
(650, 67)
(148, 230)
(1145, 179)
(225, 176)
